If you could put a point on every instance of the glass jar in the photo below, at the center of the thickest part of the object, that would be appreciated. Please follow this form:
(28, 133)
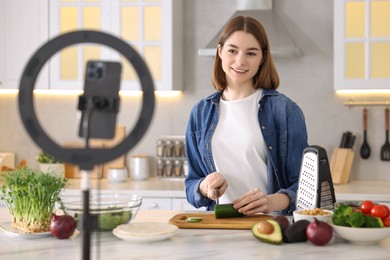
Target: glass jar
(168, 148)
(168, 168)
(160, 148)
(178, 147)
(178, 168)
(160, 168)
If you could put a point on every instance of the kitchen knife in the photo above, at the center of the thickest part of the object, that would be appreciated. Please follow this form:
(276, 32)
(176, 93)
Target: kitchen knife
(216, 194)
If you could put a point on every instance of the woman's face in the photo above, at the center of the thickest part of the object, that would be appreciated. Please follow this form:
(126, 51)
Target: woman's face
(241, 56)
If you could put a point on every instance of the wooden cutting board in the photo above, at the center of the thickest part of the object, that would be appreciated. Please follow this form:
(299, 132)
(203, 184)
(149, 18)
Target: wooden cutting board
(210, 222)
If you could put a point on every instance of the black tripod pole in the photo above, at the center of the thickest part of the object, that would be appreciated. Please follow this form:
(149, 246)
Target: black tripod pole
(86, 219)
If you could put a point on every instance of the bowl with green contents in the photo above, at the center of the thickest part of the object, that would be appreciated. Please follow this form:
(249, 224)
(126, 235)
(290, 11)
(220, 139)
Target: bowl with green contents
(111, 209)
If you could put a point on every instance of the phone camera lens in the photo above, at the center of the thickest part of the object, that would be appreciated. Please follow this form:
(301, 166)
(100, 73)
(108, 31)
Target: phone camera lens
(95, 71)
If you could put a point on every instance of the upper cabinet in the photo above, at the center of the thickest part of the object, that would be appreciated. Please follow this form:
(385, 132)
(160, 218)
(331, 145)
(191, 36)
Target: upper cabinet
(23, 28)
(151, 27)
(361, 44)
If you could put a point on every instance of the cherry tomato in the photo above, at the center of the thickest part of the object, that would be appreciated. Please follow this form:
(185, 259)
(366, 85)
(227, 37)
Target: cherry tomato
(379, 211)
(366, 206)
(387, 209)
(386, 221)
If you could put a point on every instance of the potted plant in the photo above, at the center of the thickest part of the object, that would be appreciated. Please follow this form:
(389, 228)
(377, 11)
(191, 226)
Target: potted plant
(50, 164)
(31, 197)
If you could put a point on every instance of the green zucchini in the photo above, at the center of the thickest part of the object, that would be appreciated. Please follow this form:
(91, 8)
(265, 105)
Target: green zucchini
(226, 211)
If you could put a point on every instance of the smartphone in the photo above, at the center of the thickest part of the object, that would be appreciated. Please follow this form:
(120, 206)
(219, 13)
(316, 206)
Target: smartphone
(101, 84)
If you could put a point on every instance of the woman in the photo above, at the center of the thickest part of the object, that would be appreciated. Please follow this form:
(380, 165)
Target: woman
(246, 140)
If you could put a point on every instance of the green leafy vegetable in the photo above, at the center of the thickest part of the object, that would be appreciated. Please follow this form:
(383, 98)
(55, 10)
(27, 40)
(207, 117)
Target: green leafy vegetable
(341, 214)
(373, 222)
(31, 196)
(43, 157)
(356, 219)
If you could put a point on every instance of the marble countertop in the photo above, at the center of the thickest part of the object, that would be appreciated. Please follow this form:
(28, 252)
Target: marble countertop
(355, 190)
(186, 244)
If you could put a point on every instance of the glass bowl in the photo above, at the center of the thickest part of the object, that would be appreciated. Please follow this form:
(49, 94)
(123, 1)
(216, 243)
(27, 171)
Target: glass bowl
(111, 209)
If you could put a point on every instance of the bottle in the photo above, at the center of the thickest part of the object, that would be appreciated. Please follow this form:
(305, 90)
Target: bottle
(160, 168)
(178, 169)
(178, 146)
(168, 168)
(168, 148)
(160, 148)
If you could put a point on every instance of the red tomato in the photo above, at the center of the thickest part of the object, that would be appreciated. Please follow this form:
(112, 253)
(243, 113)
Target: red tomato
(379, 211)
(386, 221)
(387, 209)
(366, 206)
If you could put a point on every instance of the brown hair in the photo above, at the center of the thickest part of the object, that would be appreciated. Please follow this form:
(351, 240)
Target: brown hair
(267, 76)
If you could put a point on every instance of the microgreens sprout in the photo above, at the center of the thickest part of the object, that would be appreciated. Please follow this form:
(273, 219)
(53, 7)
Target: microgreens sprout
(31, 196)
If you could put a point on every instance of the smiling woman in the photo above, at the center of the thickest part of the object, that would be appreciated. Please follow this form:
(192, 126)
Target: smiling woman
(237, 138)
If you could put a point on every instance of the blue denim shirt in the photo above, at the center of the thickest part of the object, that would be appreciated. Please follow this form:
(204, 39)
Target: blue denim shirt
(284, 130)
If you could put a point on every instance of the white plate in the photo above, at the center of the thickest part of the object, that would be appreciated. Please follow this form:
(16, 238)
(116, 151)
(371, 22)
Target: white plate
(9, 230)
(362, 236)
(145, 231)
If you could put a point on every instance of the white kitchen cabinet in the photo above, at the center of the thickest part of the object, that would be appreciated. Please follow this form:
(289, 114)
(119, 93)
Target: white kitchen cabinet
(361, 44)
(23, 28)
(153, 28)
(156, 203)
(183, 205)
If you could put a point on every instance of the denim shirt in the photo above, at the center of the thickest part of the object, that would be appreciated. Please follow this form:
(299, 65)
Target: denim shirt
(284, 130)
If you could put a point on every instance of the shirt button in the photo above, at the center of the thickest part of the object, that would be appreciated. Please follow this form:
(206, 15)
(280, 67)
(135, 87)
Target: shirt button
(270, 147)
(263, 127)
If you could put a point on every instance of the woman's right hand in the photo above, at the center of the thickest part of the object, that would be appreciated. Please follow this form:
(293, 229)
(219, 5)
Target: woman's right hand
(213, 181)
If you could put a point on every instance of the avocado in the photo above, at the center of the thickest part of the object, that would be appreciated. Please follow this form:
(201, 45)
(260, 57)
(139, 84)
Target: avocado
(283, 221)
(296, 232)
(268, 231)
(226, 211)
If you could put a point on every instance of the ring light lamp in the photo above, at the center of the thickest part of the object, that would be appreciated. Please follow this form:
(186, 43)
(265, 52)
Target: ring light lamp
(85, 158)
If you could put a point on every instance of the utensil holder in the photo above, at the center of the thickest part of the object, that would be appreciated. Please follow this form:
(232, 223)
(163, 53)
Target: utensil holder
(341, 164)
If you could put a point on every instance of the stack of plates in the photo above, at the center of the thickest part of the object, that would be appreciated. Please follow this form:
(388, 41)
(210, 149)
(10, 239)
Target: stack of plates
(145, 231)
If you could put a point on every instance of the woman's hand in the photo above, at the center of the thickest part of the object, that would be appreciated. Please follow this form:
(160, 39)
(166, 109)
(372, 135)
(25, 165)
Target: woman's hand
(213, 181)
(256, 201)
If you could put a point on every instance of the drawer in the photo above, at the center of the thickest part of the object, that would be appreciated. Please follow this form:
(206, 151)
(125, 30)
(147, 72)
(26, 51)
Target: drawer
(156, 203)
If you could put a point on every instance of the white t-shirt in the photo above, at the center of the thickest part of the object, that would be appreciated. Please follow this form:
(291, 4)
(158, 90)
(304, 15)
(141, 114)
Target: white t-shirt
(238, 147)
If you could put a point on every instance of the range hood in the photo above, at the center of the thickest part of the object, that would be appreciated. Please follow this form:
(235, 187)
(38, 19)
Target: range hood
(281, 43)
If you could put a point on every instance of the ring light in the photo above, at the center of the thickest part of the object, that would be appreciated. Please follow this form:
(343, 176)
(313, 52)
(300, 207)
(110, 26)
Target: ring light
(85, 158)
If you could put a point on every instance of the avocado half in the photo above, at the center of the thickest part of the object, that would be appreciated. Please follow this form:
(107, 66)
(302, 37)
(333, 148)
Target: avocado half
(274, 232)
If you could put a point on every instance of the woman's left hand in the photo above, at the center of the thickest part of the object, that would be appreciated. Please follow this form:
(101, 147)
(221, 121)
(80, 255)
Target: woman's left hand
(252, 202)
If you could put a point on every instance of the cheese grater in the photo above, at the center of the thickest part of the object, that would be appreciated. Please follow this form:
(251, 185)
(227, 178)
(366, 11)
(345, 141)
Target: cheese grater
(315, 187)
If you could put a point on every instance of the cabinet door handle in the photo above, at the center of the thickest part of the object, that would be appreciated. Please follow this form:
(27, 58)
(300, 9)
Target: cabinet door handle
(154, 206)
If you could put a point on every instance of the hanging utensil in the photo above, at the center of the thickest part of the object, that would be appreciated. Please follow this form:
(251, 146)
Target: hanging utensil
(385, 150)
(365, 150)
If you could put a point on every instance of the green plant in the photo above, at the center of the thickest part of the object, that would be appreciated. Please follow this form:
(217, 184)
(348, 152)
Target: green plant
(44, 157)
(31, 196)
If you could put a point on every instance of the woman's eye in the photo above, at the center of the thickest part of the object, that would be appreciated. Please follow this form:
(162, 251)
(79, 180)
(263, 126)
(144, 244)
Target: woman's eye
(251, 53)
(232, 51)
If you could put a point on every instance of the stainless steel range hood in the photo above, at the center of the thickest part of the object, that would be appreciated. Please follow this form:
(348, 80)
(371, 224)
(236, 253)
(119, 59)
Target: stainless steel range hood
(281, 43)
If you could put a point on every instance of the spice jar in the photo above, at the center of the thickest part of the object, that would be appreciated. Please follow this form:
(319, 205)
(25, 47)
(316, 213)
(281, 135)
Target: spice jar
(185, 168)
(168, 168)
(178, 168)
(160, 168)
(168, 148)
(160, 148)
(178, 147)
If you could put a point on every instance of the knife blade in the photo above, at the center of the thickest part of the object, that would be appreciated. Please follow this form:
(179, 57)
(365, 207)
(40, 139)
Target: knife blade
(216, 194)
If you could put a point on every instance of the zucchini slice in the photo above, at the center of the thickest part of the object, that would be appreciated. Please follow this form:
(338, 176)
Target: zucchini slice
(226, 211)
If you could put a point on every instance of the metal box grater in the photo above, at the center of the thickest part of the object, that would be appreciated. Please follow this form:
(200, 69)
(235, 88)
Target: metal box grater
(315, 187)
